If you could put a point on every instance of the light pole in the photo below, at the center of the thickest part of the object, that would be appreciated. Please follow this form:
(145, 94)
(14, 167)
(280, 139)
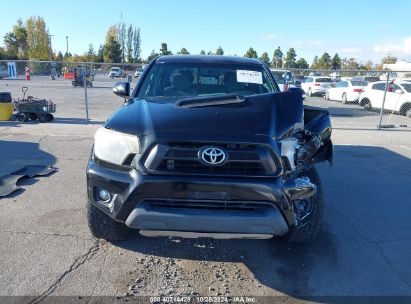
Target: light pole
(67, 45)
(51, 50)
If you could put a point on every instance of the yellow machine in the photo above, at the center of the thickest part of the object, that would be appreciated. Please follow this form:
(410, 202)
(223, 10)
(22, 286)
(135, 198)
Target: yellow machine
(6, 106)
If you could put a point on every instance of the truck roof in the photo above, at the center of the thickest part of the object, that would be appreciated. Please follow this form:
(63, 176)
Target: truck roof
(209, 59)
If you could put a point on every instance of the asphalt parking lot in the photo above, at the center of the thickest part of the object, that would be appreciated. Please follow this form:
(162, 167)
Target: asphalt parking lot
(46, 248)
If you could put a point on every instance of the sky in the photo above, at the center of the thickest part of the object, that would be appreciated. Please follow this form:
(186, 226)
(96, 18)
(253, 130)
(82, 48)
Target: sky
(362, 29)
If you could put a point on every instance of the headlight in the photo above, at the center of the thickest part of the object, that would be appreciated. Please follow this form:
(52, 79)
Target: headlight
(114, 147)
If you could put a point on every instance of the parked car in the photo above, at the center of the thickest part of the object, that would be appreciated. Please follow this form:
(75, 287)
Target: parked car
(285, 79)
(3, 72)
(299, 78)
(139, 71)
(116, 72)
(208, 148)
(398, 98)
(316, 85)
(315, 74)
(346, 91)
(366, 78)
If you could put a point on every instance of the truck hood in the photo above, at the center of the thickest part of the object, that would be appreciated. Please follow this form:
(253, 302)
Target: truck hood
(260, 119)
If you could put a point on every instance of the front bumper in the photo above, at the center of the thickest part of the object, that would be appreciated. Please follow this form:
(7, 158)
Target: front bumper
(135, 198)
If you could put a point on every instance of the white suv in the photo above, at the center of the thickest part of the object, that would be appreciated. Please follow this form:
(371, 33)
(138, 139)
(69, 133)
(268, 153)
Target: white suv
(398, 97)
(116, 72)
(316, 85)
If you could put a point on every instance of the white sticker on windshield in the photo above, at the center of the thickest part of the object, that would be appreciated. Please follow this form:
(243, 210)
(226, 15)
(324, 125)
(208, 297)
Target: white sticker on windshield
(249, 76)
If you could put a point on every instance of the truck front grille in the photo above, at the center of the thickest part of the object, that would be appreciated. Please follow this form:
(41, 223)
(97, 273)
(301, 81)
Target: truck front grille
(208, 205)
(184, 158)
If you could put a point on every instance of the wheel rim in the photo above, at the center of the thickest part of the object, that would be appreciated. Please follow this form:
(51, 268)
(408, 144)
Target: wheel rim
(344, 98)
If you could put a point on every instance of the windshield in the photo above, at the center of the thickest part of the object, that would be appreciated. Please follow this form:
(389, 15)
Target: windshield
(176, 80)
(323, 80)
(407, 87)
(281, 77)
(356, 83)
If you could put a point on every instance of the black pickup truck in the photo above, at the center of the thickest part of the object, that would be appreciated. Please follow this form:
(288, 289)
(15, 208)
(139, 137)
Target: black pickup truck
(208, 146)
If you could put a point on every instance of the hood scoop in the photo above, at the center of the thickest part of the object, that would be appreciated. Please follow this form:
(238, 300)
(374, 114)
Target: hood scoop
(211, 101)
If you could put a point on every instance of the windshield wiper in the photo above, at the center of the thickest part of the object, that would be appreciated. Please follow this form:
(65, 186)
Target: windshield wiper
(208, 101)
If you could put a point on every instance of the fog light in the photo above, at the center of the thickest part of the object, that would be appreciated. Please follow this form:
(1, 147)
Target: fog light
(104, 196)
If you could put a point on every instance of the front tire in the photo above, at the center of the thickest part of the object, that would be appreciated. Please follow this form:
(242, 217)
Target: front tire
(367, 104)
(310, 93)
(312, 224)
(104, 227)
(327, 95)
(344, 98)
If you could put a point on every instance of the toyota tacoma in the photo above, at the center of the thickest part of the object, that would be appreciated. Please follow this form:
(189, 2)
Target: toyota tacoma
(208, 146)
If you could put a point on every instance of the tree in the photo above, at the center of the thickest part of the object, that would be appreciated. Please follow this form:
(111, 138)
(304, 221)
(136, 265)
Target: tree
(314, 65)
(389, 60)
(137, 45)
(202, 52)
(11, 44)
(251, 53)
(290, 58)
(164, 50)
(121, 38)
(37, 39)
(91, 54)
(20, 33)
(336, 62)
(210, 53)
(112, 48)
(278, 58)
(219, 51)
(67, 56)
(264, 58)
(349, 64)
(129, 43)
(301, 64)
(3, 54)
(100, 54)
(59, 56)
(152, 56)
(183, 51)
(324, 62)
(369, 65)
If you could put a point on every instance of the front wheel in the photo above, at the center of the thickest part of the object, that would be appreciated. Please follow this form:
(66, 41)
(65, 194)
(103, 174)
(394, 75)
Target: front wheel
(310, 93)
(23, 117)
(367, 104)
(327, 95)
(344, 98)
(104, 227)
(311, 224)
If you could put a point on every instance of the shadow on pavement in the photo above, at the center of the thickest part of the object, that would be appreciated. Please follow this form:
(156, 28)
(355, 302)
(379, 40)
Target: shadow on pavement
(361, 251)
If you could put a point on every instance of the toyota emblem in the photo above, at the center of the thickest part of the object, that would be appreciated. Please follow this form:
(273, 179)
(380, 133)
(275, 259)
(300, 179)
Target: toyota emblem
(212, 156)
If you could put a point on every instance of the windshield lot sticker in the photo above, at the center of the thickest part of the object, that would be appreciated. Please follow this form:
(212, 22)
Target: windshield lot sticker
(249, 76)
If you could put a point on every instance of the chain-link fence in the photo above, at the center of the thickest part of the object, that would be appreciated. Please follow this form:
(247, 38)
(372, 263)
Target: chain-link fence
(80, 91)
(356, 99)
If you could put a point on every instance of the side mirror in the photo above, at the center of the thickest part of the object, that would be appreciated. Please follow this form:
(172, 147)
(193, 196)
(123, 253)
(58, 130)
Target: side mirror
(122, 89)
(398, 91)
(301, 91)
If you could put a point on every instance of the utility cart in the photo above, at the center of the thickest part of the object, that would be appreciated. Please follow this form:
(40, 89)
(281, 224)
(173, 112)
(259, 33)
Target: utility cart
(33, 108)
